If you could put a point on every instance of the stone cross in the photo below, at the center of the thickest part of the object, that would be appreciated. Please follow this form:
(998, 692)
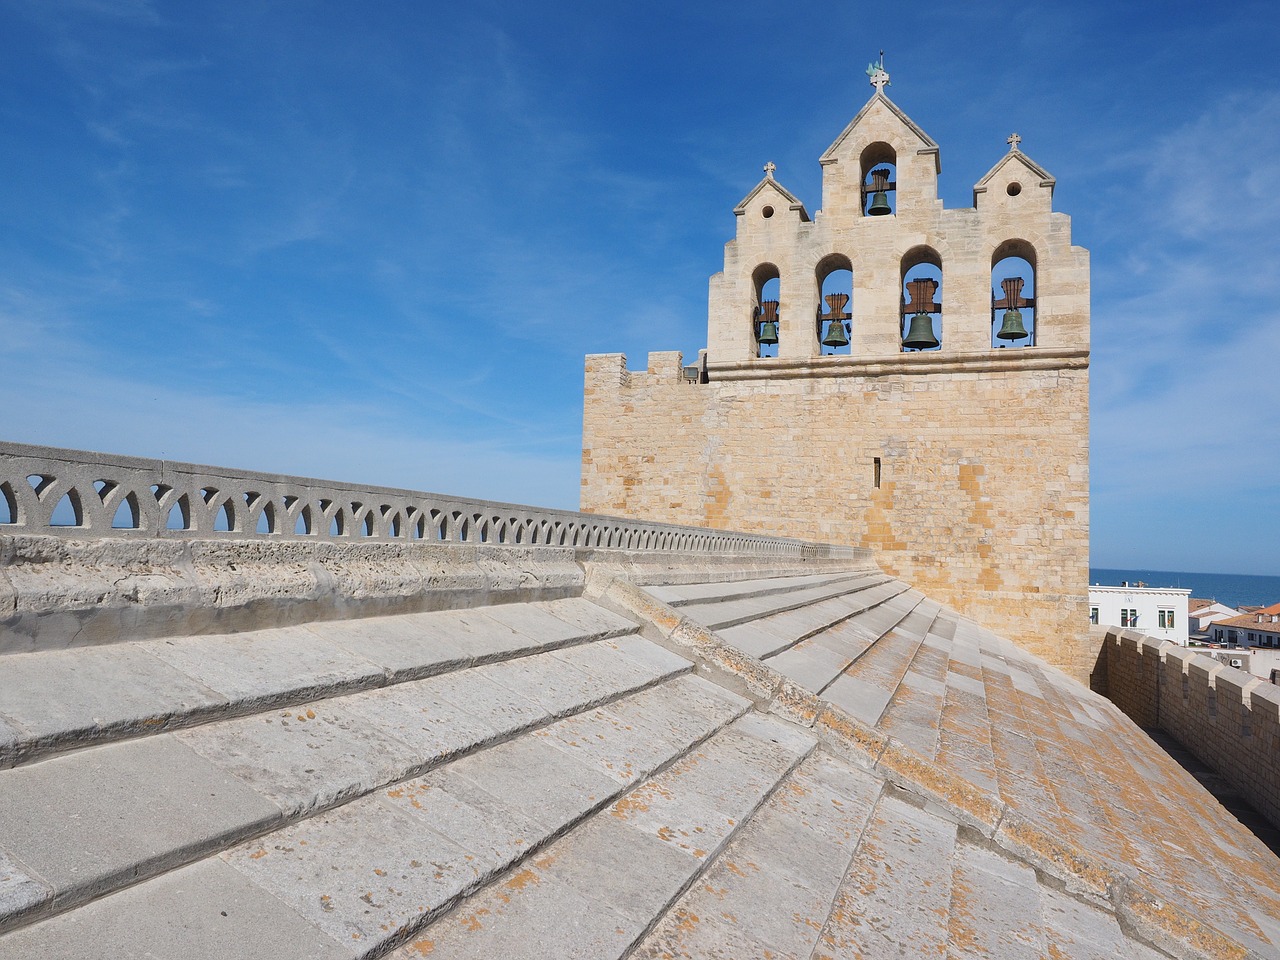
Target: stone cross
(1013, 142)
(769, 168)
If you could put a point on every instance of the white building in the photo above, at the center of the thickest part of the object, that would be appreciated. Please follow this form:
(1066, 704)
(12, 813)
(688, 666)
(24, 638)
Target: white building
(1248, 630)
(1156, 611)
(1204, 613)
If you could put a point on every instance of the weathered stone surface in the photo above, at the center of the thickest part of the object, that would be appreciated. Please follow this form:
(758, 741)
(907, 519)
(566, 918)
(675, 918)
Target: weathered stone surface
(527, 916)
(304, 758)
(206, 911)
(779, 873)
(994, 907)
(58, 696)
(94, 829)
(419, 714)
(587, 618)
(360, 873)
(287, 662)
(19, 892)
(897, 895)
(542, 783)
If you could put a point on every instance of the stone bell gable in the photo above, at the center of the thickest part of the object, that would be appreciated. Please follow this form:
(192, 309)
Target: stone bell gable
(886, 373)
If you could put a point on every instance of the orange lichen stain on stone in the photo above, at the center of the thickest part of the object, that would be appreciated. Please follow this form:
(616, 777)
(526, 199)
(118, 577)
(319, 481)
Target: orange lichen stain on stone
(396, 793)
(666, 833)
(686, 921)
(522, 879)
(258, 854)
(326, 903)
(311, 714)
(381, 873)
(627, 805)
(1180, 925)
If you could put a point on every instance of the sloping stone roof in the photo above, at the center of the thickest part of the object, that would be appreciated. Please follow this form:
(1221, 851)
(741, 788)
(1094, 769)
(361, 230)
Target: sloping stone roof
(823, 765)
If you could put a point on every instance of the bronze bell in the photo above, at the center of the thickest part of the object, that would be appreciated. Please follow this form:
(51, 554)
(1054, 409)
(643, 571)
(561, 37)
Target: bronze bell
(1012, 328)
(879, 205)
(836, 336)
(769, 332)
(920, 333)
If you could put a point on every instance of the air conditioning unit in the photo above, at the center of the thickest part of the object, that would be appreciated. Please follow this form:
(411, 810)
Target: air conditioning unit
(1237, 662)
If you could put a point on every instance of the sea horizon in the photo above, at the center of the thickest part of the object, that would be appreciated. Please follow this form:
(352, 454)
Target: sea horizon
(1233, 589)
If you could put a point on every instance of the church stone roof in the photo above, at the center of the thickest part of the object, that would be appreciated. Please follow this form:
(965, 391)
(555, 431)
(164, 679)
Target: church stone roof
(1043, 177)
(927, 143)
(770, 184)
(799, 765)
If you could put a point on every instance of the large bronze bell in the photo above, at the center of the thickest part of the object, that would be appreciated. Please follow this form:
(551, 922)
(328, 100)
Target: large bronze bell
(769, 332)
(920, 333)
(1012, 328)
(836, 335)
(879, 205)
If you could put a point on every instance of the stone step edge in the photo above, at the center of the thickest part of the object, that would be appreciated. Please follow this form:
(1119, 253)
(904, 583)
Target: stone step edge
(915, 653)
(835, 623)
(60, 902)
(27, 749)
(827, 580)
(698, 872)
(1164, 926)
(737, 621)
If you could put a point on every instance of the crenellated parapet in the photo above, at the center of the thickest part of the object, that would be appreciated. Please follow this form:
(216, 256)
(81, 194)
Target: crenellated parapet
(1227, 717)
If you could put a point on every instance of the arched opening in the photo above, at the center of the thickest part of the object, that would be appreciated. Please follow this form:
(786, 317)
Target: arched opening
(835, 304)
(127, 515)
(179, 515)
(765, 321)
(879, 166)
(921, 300)
(1013, 294)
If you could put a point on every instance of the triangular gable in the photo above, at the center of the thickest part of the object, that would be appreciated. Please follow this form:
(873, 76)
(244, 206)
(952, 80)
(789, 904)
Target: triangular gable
(792, 200)
(1015, 156)
(926, 141)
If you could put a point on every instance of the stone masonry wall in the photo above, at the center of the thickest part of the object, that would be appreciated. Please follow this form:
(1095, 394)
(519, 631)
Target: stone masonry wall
(1228, 718)
(983, 495)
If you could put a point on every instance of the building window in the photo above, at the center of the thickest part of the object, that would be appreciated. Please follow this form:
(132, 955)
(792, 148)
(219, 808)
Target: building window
(1093, 614)
(1166, 619)
(1128, 617)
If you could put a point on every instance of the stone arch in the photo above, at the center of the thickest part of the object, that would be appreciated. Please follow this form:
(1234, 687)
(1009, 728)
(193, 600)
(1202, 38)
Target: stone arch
(1013, 289)
(766, 289)
(878, 165)
(834, 278)
(921, 290)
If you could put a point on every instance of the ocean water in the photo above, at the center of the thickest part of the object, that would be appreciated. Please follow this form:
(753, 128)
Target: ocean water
(1232, 589)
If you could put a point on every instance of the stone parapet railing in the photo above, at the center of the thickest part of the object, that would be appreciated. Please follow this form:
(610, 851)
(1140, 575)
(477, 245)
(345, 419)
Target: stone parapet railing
(99, 549)
(1227, 717)
(48, 491)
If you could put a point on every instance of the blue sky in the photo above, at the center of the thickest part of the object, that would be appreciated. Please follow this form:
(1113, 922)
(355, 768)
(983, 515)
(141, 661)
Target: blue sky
(373, 242)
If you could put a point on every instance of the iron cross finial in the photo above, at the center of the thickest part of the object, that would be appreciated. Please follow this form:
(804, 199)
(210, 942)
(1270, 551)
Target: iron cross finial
(1013, 142)
(769, 168)
(876, 71)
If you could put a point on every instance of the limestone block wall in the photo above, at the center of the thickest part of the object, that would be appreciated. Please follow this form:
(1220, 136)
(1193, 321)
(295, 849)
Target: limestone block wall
(1228, 718)
(981, 463)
